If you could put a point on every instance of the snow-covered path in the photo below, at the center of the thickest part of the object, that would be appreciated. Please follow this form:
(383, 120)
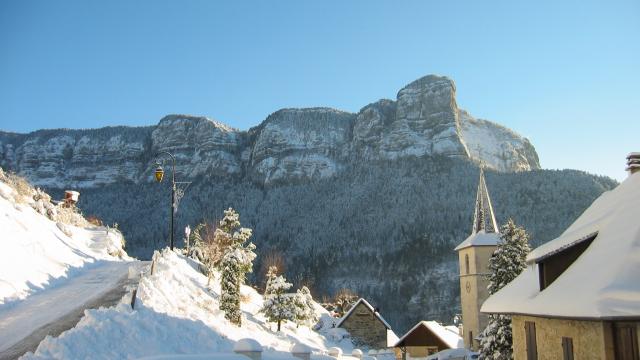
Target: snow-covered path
(18, 321)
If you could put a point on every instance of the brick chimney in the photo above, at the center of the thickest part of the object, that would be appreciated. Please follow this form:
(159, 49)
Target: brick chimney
(633, 162)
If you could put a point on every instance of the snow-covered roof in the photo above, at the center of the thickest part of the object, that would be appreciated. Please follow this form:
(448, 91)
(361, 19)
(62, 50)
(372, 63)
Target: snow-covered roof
(603, 282)
(392, 338)
(480, 238)
(448, 334)
(373, 311)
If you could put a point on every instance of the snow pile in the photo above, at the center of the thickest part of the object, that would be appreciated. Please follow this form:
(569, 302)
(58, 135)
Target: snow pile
(43, 244)
(175, 313)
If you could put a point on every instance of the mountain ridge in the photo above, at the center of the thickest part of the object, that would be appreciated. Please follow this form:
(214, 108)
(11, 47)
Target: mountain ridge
(291, 144)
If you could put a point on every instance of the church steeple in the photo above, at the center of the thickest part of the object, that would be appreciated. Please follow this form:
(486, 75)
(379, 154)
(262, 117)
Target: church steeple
(483, 218)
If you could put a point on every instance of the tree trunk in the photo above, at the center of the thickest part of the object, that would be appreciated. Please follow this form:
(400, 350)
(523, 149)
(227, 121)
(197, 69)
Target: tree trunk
(278, 325)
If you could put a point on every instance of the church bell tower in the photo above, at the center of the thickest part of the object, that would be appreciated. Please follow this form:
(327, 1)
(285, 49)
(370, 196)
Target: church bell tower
(473, 256)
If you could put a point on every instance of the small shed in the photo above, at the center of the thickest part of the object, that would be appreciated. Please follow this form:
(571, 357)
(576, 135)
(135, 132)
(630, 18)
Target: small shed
(429, 337)
(71, 197)
(367, 327)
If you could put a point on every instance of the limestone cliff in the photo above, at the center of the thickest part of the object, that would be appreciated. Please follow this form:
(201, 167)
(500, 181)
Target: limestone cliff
(290, 145)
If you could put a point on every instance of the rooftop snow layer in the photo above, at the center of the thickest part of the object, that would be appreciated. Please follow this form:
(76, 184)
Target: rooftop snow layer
(603, 282)
(480, 238)
(365, 303)
(448, 334)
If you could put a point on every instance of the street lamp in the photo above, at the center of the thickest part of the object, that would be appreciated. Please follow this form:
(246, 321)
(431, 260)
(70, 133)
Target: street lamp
(176, 194)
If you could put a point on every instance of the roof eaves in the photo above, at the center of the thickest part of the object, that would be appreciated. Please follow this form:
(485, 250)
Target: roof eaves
(373, 311)
(562, 248)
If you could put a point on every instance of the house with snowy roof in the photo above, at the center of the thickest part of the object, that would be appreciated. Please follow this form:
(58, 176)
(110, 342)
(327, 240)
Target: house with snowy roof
(367, 327)
(427, 338)
(579, 296)
(473, 256)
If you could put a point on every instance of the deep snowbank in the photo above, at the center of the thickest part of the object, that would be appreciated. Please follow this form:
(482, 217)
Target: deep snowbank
(38, 252)
(175, 313)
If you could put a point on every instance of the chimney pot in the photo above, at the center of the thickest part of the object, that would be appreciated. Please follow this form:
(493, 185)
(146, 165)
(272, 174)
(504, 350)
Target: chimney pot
(633, 162)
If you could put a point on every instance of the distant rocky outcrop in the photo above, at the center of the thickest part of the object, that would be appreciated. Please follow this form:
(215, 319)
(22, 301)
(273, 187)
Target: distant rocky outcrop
(290, 145)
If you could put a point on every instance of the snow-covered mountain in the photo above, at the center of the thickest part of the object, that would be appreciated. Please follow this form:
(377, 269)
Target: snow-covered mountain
(291, 145)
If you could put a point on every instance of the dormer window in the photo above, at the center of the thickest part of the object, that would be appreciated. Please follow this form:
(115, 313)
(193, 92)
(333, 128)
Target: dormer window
(550, 267)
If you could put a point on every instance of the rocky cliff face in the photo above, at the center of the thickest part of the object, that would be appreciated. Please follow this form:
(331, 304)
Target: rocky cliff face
(297, 144)
(201, 146)
(290, 145)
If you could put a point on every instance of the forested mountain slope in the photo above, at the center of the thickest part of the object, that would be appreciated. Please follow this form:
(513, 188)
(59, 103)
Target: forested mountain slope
(386, 230)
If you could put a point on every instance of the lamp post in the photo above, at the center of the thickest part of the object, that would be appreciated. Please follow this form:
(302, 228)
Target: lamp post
(159, 174)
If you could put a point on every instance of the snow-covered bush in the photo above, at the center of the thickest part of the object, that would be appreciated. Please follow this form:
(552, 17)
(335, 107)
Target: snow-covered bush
(506, 263)
(341, 303)
(24, 190)
(70, 215)
(236, 262)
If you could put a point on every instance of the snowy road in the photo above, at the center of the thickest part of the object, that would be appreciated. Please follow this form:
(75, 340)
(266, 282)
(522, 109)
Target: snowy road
(51, 311)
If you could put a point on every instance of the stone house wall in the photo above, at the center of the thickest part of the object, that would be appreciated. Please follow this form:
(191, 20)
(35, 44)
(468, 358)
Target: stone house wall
(365, 328)
(591, 339)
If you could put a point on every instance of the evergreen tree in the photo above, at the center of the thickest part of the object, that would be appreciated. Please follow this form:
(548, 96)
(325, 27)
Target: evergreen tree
(506, 263)
(236, 262)
(278, 305)
(304, 310)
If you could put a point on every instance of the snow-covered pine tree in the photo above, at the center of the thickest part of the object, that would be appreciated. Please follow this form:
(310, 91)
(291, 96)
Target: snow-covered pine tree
(304, 311)
(271, 275)
(506, 263)
(195, 239)
(236, 262)
(278, 304)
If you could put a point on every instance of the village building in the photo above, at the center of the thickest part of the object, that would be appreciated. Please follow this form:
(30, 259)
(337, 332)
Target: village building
(427, 338)
(579, 297)
(367, 327)
(473, 257)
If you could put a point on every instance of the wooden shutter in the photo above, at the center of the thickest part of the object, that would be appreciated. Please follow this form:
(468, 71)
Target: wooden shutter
(567, 348)
(626, 341)
(530, 338)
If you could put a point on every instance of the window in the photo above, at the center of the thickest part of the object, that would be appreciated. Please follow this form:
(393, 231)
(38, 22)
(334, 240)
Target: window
(470, 339)
(466, 264)
(567, 348)
(625, 338)
(551, 266)
(530, 340)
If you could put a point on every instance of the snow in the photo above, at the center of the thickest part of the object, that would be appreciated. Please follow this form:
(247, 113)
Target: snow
(245, 345)
(177, 314)
(38, 253)
(603, 282)
(24, 317)
(481, 238)
(493, 145)
(299, 348)
(47, 268)
(453, 354)
(448, 334)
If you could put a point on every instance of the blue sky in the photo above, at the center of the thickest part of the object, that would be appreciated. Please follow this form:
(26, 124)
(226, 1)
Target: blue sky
(566, 74)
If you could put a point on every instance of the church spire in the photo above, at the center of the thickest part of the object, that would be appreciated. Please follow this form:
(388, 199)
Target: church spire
(483, 218)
